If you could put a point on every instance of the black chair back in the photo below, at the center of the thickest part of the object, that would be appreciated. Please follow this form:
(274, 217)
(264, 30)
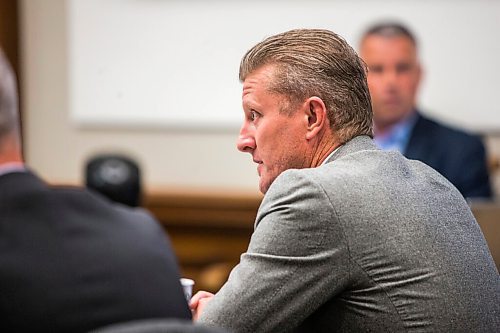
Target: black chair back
(116, 177)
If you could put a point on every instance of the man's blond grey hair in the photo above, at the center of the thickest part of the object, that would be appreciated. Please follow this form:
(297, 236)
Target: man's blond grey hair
(9, 117)
(317, 62)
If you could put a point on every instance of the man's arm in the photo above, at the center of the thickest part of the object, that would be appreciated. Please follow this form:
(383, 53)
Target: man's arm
(296, 261)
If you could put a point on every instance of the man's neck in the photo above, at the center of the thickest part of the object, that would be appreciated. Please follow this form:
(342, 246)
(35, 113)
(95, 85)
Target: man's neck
(10, 150)
(327, 145)
(383, 129)
(10, 157)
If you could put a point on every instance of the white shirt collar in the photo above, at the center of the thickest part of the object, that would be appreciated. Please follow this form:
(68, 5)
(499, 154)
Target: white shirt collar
(11, 167)
(330, 155)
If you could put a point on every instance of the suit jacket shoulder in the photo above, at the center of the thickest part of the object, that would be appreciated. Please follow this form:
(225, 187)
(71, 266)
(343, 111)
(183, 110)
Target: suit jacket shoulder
(457, 155)
(73, 261)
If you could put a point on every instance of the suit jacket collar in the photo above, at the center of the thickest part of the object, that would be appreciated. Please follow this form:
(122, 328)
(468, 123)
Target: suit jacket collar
(17, 181)
(356, 144)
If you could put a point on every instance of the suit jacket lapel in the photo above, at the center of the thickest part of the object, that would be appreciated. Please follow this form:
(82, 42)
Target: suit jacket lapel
(420, 138)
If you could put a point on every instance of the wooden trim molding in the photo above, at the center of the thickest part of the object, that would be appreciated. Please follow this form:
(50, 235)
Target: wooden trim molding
(204, 209)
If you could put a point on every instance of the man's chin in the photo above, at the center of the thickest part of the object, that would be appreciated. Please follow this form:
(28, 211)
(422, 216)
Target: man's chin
(263, 188)
(264, 185)
(391, 114)
(385, 122)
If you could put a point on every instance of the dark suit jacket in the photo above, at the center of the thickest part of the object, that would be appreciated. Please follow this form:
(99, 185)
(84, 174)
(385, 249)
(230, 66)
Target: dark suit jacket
(458, 156)
(71, 261)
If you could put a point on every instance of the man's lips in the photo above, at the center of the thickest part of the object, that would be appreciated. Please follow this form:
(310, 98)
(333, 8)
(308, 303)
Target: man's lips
(259, 166)
(391, 99)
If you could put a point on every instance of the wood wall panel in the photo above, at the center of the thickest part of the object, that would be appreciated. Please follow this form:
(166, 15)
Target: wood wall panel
(209, 230)
(488, 216)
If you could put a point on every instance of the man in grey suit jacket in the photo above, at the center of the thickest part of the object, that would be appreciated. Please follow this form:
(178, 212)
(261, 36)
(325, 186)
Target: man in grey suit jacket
(348, 238)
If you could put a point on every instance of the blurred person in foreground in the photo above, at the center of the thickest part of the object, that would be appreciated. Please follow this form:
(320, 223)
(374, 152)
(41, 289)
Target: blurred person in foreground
(71, 260)
(394, 74)
(348, 237)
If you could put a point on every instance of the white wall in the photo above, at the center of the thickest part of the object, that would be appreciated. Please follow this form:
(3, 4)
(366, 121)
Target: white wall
(170, 156)
(56, 149)
(174, 63)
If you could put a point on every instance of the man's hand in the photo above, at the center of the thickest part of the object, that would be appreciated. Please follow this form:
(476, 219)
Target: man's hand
(198, 302)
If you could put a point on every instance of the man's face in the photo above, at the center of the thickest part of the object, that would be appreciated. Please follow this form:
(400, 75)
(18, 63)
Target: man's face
(276, 141)
(393, 77)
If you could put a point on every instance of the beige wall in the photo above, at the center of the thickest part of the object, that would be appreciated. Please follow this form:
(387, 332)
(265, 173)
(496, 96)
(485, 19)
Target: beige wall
(57, 150)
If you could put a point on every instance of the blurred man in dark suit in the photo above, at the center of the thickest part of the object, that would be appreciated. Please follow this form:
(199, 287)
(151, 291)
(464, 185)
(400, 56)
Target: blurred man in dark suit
(71, 260)
(390, 51)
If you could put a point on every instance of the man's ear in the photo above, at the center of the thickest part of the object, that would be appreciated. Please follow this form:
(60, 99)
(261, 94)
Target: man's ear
(420, 74)
(316, 116)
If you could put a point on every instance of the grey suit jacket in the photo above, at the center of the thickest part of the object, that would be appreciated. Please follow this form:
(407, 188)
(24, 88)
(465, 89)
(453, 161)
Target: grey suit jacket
(370, 241)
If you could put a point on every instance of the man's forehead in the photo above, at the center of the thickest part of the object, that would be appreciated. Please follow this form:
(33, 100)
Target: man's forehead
(386, 42)
(258, 79)
(386, 48)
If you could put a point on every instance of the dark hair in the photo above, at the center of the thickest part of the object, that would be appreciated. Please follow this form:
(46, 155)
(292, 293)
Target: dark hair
(390, 29)
(316, 62)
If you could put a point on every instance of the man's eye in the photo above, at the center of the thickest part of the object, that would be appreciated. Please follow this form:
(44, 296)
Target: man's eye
(403, 68)
(375, 69)
(253, 115)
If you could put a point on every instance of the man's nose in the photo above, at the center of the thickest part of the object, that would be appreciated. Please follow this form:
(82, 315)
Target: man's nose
(246, 140)
(390, 77)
